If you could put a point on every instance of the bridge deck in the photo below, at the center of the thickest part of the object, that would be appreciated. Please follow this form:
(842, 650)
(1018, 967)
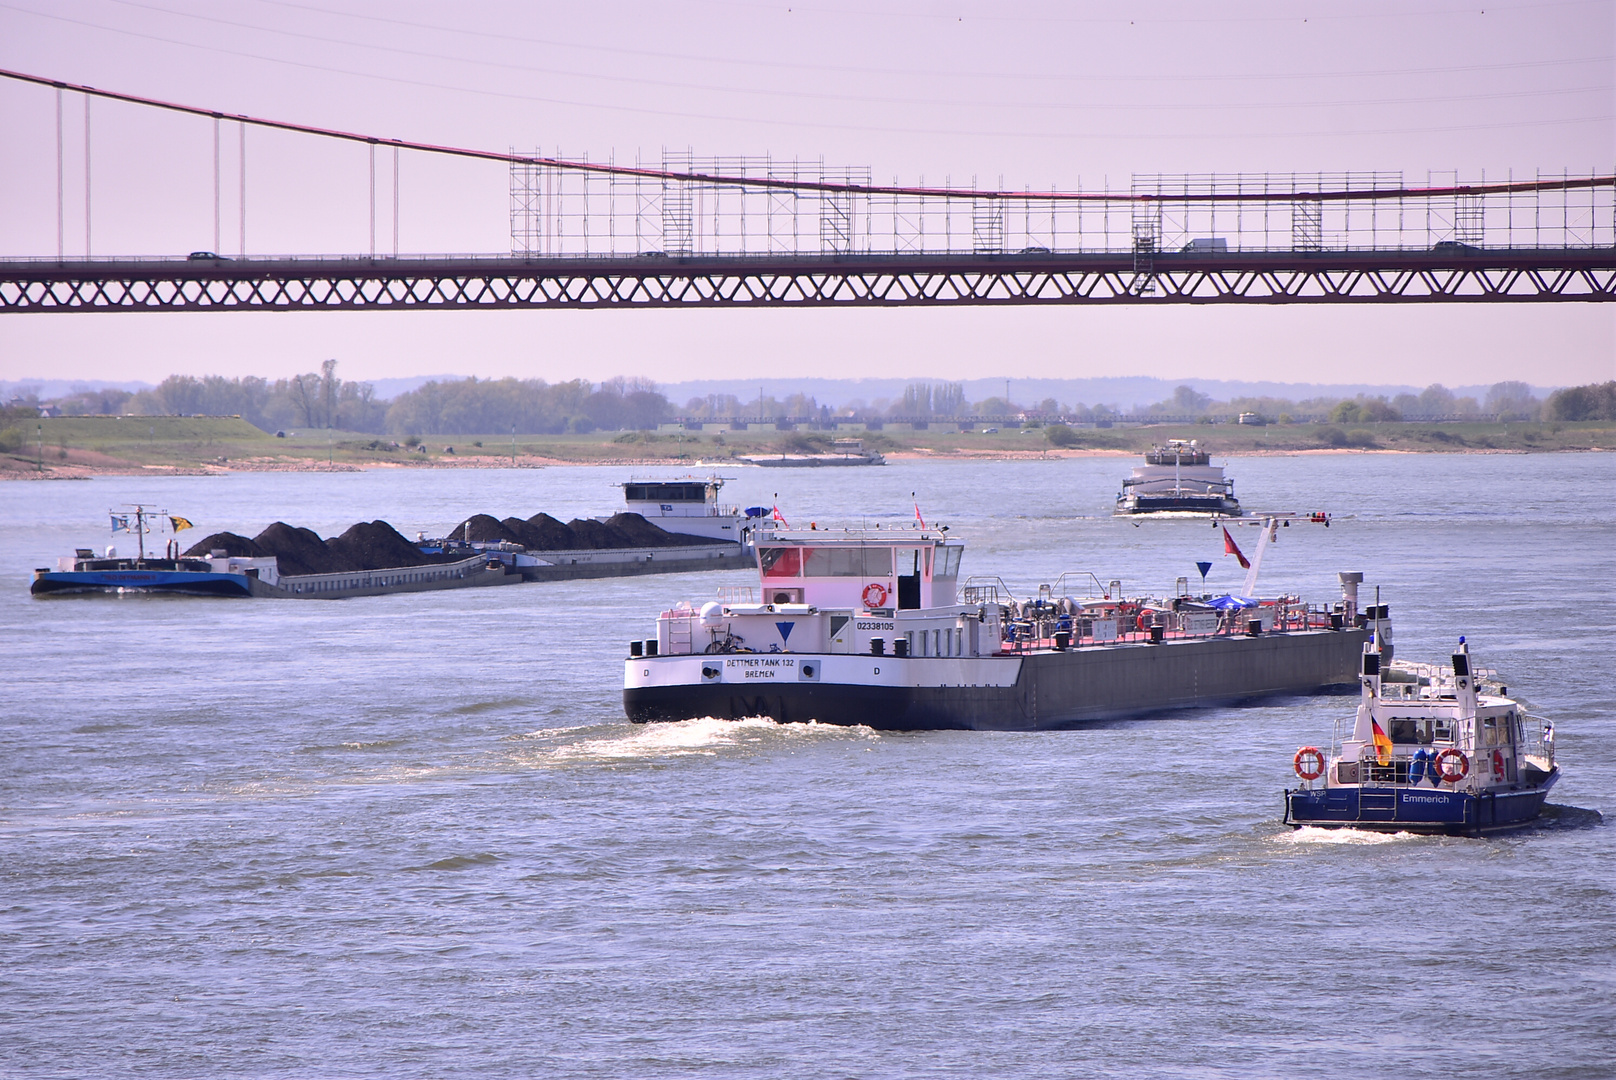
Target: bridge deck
(1447, 274)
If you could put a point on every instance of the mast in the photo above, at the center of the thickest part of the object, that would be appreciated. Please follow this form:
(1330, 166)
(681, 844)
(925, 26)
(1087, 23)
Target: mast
(1270, 531)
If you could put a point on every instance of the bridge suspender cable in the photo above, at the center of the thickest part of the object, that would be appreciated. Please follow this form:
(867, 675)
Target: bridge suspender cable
(1563, 184)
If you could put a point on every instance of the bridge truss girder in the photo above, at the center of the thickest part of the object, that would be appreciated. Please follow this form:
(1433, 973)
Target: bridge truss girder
(1558, 275)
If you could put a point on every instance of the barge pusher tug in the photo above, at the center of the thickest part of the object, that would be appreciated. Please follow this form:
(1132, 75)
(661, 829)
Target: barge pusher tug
(875, 628)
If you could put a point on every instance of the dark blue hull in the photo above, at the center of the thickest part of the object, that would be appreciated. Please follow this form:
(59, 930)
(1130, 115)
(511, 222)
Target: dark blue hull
(1417, 809)
(1163, 504)
(182, 582)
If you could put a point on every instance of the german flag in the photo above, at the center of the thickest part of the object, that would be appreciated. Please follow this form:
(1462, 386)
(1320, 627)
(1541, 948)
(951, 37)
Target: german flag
(1383, 745)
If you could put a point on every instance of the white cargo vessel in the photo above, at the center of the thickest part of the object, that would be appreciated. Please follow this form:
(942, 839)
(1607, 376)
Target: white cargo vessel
(1178, 478)
(877, 628)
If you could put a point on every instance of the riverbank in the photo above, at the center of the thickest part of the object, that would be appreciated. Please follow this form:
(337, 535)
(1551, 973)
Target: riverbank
(66, 448)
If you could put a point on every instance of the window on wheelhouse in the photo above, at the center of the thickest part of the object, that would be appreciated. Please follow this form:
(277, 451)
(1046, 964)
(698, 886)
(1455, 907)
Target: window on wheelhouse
(780, 562)
(1498, 731)
(1418, 730)
(871, 562)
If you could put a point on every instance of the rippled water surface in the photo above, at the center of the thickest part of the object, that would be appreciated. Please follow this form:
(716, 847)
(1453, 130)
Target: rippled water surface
(414, 836)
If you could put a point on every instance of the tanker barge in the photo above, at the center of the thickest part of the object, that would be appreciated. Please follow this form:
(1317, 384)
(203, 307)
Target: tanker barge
(875, 628)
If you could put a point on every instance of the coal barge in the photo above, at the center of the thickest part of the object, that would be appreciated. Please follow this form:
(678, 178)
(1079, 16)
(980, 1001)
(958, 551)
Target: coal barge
(372, 558)
(875, 628)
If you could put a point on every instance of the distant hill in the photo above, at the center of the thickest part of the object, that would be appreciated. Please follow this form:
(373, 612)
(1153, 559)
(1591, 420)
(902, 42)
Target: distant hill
(50, 389)
(388, 389)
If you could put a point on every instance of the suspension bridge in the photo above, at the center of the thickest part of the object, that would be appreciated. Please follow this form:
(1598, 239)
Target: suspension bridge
(686, 231)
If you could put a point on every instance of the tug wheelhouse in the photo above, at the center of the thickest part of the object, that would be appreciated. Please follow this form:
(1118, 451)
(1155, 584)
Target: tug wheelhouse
(685, 504)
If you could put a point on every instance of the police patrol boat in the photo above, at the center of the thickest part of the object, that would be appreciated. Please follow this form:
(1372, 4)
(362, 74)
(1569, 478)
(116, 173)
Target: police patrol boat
(875, 627)
(1433, 749)
(1178, 478)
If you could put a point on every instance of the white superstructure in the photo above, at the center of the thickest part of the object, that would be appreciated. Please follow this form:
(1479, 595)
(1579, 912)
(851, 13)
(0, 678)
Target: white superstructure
(685, 504)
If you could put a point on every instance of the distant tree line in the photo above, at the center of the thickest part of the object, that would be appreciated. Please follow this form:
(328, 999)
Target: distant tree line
(1505, 400)
(454, 407)
(534, 407)
(1596, 401)
(531, 406)
(315, 400)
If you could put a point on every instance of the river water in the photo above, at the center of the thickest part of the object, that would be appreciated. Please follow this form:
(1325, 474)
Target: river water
(413, 836)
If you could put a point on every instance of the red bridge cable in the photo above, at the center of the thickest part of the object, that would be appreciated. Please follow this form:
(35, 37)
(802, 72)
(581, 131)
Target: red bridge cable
(1564, 184)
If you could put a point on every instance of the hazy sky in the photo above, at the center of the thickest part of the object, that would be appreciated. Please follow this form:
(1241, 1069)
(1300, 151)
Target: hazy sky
(1073, 95)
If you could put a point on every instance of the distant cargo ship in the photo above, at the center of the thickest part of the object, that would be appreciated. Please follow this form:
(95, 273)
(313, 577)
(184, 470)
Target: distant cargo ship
(1178, 478)
(843, 452)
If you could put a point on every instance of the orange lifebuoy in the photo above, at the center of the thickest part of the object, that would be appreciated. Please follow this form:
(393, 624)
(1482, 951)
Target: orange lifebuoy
(1143, 621)
(875, 595)
(1315, 763)
(1452, 776)
(1498, 763)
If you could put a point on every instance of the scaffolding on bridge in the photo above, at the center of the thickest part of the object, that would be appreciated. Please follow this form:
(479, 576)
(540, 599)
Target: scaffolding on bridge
(683, 205)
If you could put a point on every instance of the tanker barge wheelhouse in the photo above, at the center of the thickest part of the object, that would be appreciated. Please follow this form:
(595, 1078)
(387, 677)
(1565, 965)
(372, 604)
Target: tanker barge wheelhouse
(1433, 749)
(875, 628)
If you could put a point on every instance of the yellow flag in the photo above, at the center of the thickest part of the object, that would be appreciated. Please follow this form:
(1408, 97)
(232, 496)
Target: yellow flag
(180, 524)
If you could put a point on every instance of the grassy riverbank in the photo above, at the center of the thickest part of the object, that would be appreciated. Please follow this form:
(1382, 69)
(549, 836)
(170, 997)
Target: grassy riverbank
(73, 446)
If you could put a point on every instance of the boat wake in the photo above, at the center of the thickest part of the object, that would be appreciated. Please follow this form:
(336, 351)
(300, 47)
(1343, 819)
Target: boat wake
(702, 737)
(1559, 816)
(1310, 835)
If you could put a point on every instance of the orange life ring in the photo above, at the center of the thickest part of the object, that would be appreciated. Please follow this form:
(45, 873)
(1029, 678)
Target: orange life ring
(1452, 754)
(1498, 763)
(875, 595)
(1315, 763)
(1143, 621)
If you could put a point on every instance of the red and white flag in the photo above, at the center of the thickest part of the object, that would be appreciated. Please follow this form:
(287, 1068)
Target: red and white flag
(781, 518)
(917, 512)
(1231, 548)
